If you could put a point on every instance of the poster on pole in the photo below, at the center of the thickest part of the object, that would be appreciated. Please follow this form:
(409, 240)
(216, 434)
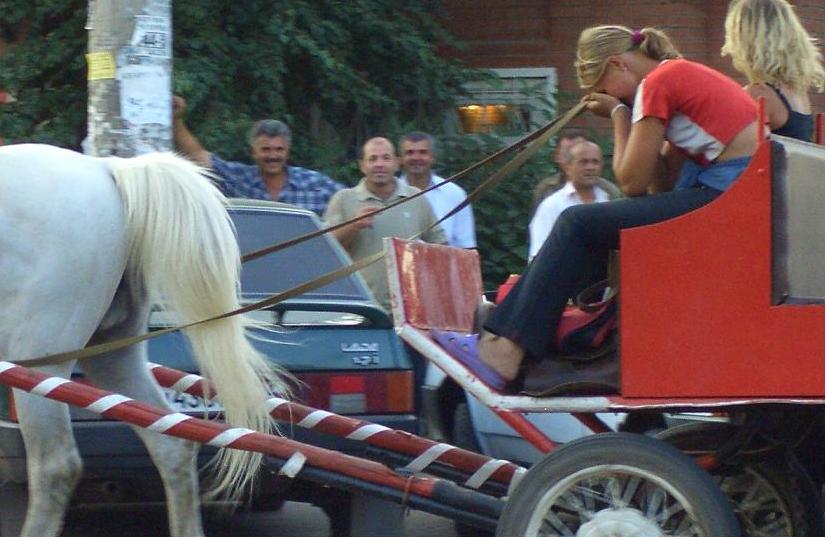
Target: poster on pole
(145, 78)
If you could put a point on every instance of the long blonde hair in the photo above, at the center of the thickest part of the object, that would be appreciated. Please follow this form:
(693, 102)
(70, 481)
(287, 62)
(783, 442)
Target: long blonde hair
(597, 44)
(769, 45)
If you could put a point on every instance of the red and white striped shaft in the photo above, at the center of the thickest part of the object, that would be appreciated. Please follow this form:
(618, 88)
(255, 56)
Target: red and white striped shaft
(424, 451)
(122, 408)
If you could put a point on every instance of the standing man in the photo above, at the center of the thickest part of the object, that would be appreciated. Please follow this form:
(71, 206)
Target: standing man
(379, 188)
(417, 157)
(582, 166)
(549, 185)
(271, 178)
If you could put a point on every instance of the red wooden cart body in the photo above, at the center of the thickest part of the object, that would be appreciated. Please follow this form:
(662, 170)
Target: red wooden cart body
(696, 313)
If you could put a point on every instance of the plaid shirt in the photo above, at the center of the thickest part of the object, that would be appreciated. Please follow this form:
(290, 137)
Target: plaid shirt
(305, 188)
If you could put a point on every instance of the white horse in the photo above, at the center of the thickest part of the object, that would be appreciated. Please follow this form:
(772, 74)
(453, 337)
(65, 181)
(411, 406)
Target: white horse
(87, 245)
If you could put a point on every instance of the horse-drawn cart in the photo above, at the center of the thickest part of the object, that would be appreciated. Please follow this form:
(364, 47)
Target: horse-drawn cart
(722, 310)
(734, 326)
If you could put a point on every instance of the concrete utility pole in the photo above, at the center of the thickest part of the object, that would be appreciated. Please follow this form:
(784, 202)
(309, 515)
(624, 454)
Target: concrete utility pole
(130, 73)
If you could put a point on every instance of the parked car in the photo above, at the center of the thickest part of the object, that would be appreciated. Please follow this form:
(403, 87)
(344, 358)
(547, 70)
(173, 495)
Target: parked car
(336, 340)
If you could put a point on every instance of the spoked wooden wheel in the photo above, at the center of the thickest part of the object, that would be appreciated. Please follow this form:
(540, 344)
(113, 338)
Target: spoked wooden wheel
(771, 494)
(617, 485)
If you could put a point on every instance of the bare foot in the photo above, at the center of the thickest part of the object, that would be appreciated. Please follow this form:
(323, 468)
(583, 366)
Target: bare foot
(501, 354)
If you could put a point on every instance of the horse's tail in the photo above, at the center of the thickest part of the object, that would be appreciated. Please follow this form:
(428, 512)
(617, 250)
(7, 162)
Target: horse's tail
(184, 252)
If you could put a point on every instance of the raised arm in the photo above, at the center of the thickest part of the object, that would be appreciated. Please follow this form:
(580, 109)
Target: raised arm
(637, 159)
(185, 141)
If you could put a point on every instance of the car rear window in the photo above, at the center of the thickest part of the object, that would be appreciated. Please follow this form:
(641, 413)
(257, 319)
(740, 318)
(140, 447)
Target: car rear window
(297, 264)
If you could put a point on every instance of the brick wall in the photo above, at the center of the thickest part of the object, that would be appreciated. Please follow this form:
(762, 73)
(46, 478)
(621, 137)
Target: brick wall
(543, 33)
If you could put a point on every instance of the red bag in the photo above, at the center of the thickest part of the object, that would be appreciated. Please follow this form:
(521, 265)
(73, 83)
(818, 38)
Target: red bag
(586, 360)
(584, 326)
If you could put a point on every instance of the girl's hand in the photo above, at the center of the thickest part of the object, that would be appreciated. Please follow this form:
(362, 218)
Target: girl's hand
(600, 104)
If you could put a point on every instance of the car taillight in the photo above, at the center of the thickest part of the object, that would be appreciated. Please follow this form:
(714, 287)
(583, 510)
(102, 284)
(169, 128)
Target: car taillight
(359, 393)
(381, 392)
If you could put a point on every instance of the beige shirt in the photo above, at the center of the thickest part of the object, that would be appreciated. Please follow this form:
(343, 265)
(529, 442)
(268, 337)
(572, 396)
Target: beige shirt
(404, 221)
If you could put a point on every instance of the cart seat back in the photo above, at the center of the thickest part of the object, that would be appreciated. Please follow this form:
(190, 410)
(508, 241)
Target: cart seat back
(433, 286)
(798, 222)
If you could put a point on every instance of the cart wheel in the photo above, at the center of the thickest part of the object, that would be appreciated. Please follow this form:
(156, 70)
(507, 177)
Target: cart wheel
(617, 485)
(771, 493)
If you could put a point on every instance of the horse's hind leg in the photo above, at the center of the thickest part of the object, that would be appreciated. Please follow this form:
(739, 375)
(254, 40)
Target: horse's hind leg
(54, 464)
(126, 372)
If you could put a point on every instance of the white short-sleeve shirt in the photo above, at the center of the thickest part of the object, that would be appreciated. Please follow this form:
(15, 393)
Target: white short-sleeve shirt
(550, 209)
(459, 229)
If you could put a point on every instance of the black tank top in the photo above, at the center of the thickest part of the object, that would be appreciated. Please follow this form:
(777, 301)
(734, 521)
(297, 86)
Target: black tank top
(799, 125)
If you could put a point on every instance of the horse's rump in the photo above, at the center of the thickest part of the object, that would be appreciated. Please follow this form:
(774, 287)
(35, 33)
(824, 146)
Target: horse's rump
(71, 226)
(62, 248)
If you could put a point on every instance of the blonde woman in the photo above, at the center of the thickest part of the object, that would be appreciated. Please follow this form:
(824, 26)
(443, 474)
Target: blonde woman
(638, 81)
(768, 45)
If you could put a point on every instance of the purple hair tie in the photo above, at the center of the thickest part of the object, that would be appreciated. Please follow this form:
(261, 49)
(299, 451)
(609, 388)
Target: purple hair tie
(637, 38)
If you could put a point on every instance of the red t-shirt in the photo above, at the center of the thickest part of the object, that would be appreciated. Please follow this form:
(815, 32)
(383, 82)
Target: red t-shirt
(703, 110)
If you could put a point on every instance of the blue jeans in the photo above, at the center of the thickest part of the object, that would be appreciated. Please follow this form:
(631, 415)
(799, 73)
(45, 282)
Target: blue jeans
(573, 257)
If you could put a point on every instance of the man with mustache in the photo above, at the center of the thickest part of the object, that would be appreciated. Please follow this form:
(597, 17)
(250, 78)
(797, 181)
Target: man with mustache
(377, 189)
(270, 178)
(582, 165)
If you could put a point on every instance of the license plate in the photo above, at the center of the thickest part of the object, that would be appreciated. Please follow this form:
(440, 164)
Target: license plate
(184, 402)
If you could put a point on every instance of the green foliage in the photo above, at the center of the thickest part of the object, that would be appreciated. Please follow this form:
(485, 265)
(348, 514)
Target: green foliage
(336, 71)
(47, 75)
